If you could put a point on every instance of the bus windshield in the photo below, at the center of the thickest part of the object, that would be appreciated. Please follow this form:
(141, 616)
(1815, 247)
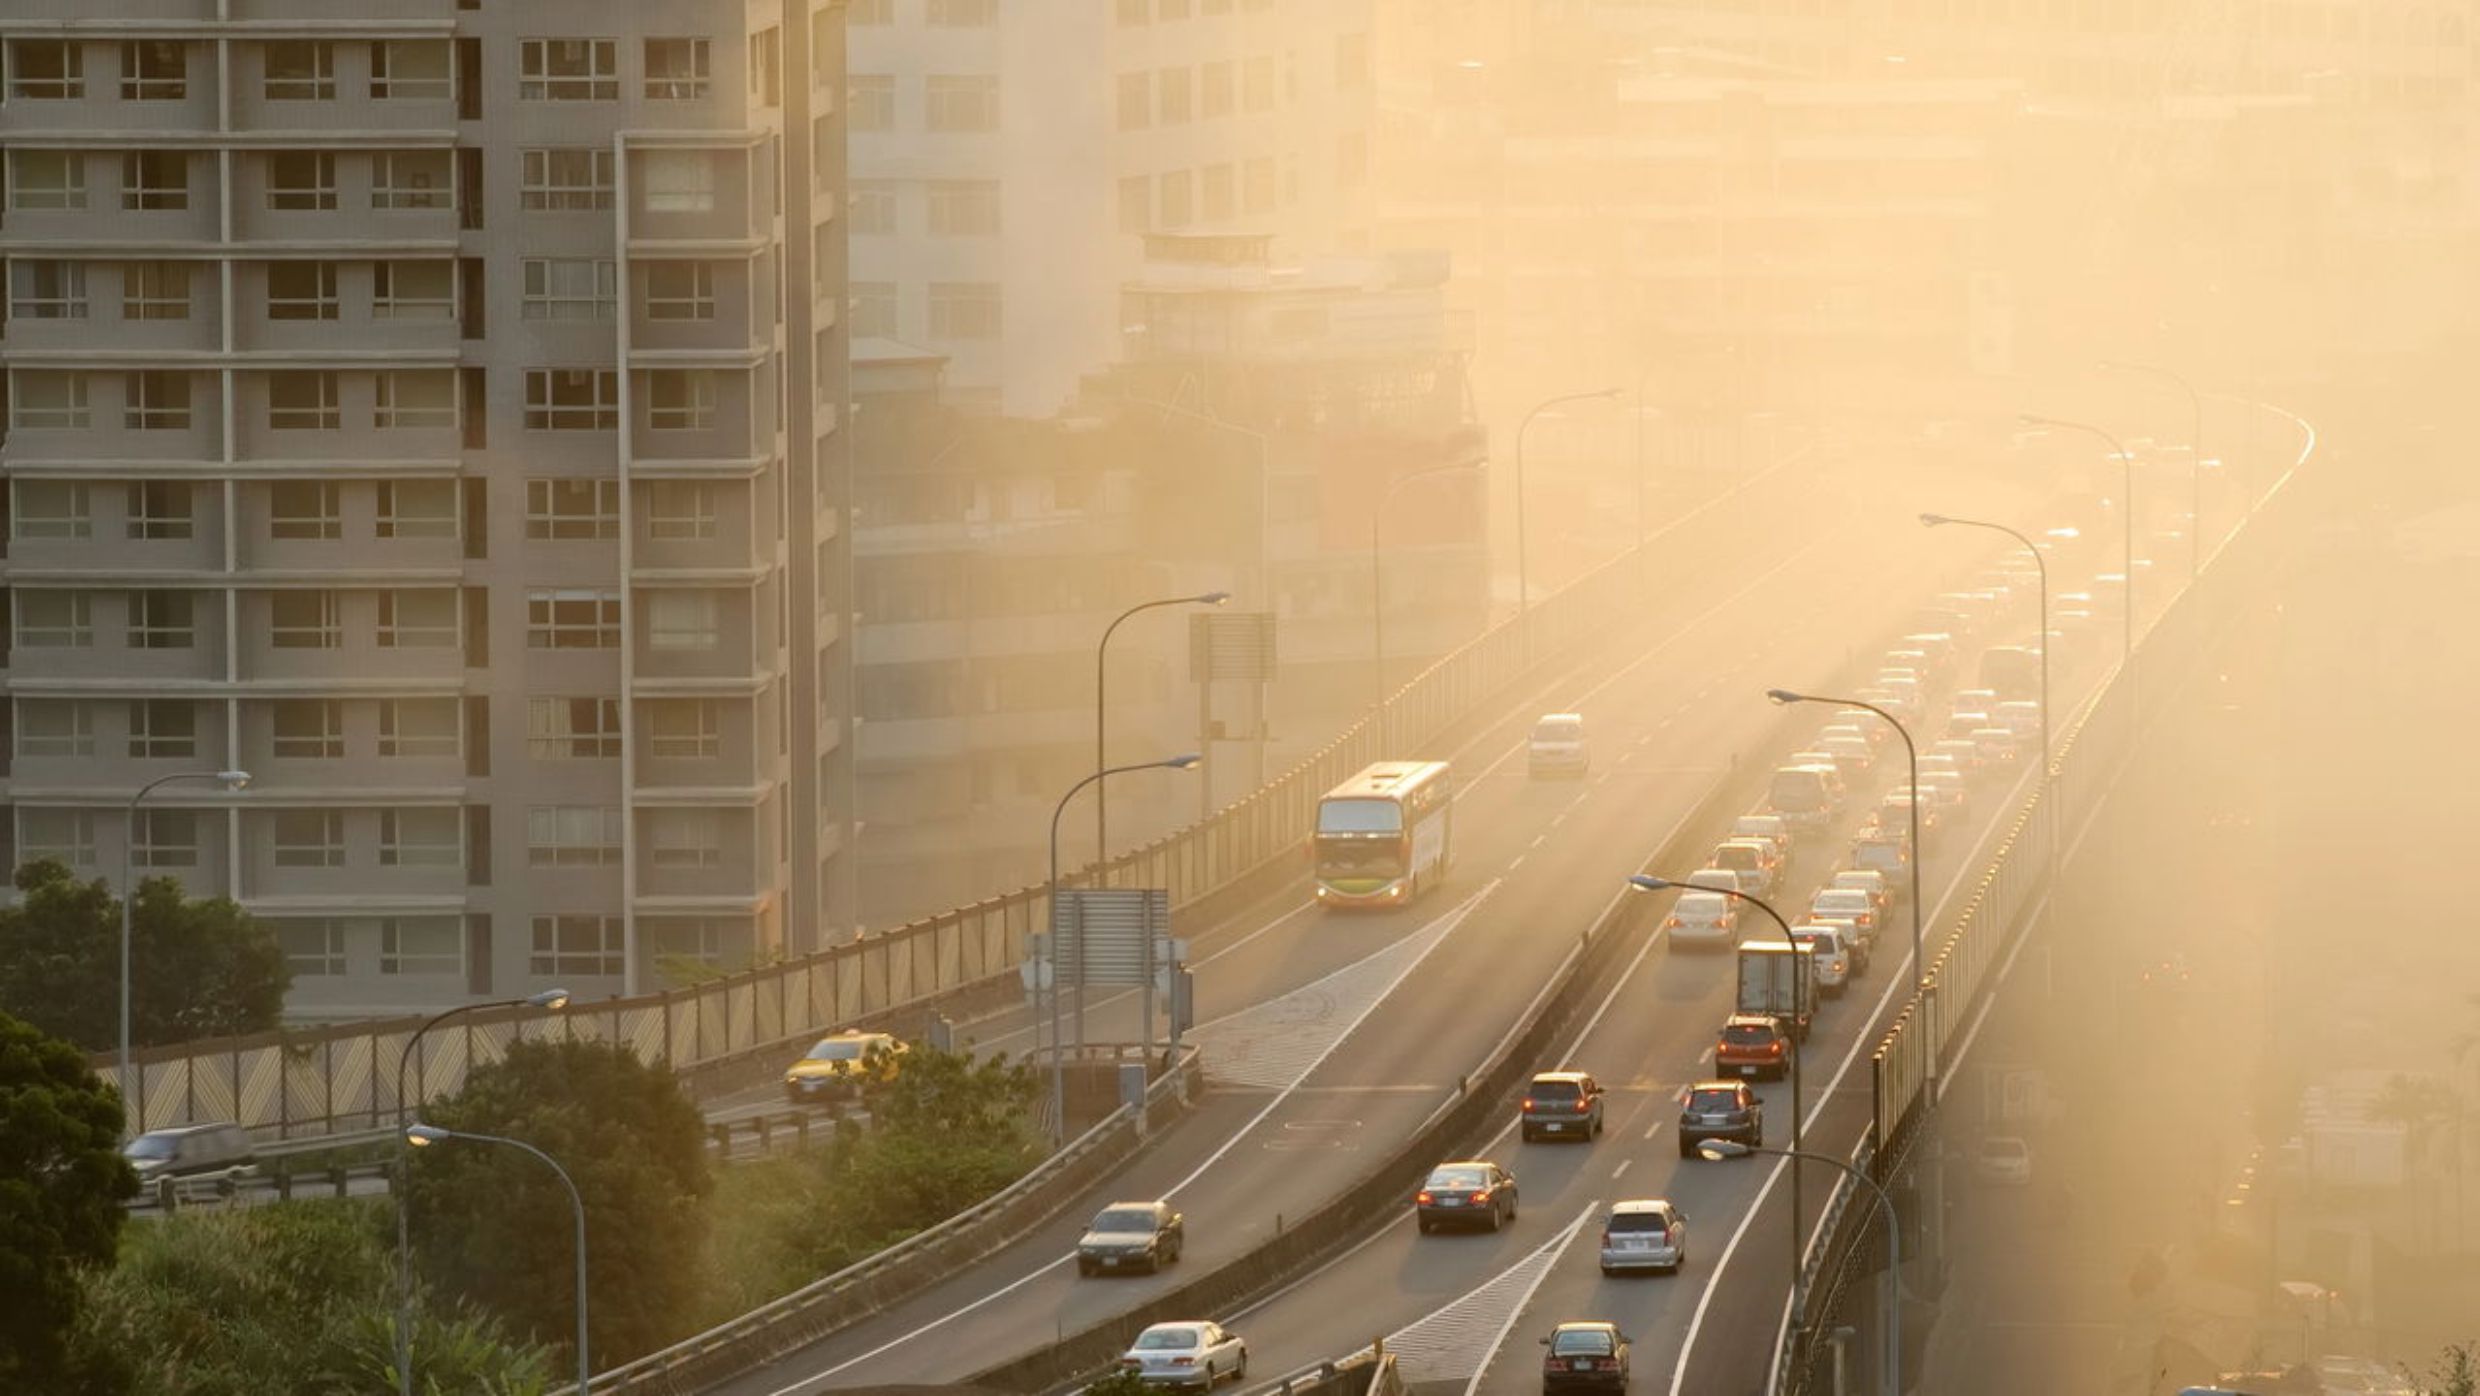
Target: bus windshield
(1349, 816)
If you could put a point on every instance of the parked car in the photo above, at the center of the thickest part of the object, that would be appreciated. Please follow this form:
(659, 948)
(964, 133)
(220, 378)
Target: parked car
(1130, 1236)
(1564, 1103)
(1585, 1357)
(1703, 918)
(1189, 1353)
(836, 1066)
(1720, 1110)
(1474, 1192)
(1644, 1234)
(1558, 746)
(191, 1151)
(1753, 1044)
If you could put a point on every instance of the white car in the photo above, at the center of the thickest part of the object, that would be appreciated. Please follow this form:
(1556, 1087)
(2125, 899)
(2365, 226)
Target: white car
(1192, 1353)
(2003, 1158)
(1644, 1234)
(1945, 790)
(1770, 827)
(1869, 880)
(1558, 746)
(1851, 755)
(1703, 918)
(1723, 879)
(1829, 958)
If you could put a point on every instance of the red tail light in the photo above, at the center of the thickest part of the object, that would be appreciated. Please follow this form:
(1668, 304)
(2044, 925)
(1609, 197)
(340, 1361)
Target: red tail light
(1528, 1104)
(1184, 1362)
(1481, 1196)
(1423, 1197)
(1608, 1364)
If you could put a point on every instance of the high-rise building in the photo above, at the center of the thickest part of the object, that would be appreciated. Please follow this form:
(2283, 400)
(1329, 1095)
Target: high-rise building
(434, 409)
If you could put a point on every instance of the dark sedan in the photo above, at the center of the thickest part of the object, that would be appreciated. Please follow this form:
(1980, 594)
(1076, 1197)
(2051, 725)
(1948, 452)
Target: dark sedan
(1472, 1193)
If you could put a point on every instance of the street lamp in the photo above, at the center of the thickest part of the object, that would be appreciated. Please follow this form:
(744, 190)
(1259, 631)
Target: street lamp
(2195, 445)
(1377, 586)
(422, 1136)
(230, 781)
(2127, 524)
(1892, 1374)
(2042, 565)
(1102, 842)
(1524, 584)
(1059, 1077)
(1911, 753)
(549, 998)
(1647, 882)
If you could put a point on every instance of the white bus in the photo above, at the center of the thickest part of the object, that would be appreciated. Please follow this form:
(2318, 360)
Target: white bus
(1382, 835)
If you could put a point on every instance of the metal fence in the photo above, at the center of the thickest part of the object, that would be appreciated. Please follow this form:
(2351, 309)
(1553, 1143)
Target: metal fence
(344, 1076)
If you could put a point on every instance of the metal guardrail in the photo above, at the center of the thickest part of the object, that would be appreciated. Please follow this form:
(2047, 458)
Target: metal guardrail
(342, 1076)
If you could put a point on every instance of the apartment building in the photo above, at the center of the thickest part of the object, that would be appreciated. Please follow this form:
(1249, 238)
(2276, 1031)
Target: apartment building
(1006, 158)
(433, 409)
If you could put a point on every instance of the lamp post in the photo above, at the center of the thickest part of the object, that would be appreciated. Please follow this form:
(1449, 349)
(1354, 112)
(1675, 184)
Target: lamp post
(1524, 582)
(1377, 587)
(1102, 841)
(2195, 446)
(1892, 1373)
(422, 1136)
(1911, 753)
(548, 998)
(2127, 525)
(1647, 882)
(2041, 566)
(231, 781)
(1059, 1076)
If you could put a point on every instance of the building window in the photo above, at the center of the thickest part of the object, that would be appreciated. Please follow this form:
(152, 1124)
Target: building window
(162, 620)
(47, 401)
(418, 619)
(571, 510)
(420, 838)
(1214, 89)
(52, 509)
(309, 729)
(167, 838)
(55, 620)
(65, 834)
(419, 727)
(870, 102)
(1136, 203)
(964, 207)
(964, 310)
(873, 309)
(680, 399)
(411, 179)
(572, 620)
(312, 509)
(305, 620)
(155, 180)
(413, 290)
(676, 69)
(160, 510)
(313, 946)
(301, 291)
(410, 398)
(684, 728)
(56, 729)
(678, 181)
(1175, 189)
(1136, 101)
(417, 509)
(154, 70)
(47, 290)
(570, 288)
(959, 104)
(568, 70)
(300, 181)
(421, 945)
(679, 510)
(766, 78)
(47, 179)
(1172, 95)
(572, 836)
(574, 179)
(410, 70)
(47, 69)
(567, 946)
(563, 729)
(572, 399)
(160, 728)
(680, 291)
(308, 838)
(157, 400)
(300, 70)
(873, 207)
(155, 291)
(678, 621)
(684, 838)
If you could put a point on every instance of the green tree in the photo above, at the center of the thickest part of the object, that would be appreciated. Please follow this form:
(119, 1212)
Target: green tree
(291, 1297)
(2457, 1371)
(201, 967)
(495, 1225)
(949, 1129)
(1119, 1381)
(62, 1180)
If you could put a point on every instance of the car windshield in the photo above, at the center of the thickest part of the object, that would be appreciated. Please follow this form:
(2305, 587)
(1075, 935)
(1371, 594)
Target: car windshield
(1166, 1339)
(1555, 1090)
(1704, 905)
(1125, 1219)
(1851, 897)
(1581, 1342)
(1456, 1179)
(1729, 857)
(1713, 1101)
(151, 1146)
(1635, 1221)
(1819, 940)
(1555, 729)
(1354, 816)
(1747, 1035)
(838, 1050)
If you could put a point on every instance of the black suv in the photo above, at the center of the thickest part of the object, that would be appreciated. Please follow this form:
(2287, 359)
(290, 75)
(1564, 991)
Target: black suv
(1563, 1103)
(1721, 1110)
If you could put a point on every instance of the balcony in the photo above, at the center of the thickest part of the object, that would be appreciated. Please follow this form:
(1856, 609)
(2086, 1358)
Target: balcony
(121, 315)
(69, 635)
(694, 304)
(699, 412)
(110, 743)
(332, 639)
(699, 743)
(331, 196)
(700, 526)
(38, 100)
(697, 632)
(702, 852)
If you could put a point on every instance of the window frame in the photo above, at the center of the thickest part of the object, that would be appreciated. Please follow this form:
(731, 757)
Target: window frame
(956, 104)
(695, 301)
(552, 733)
(401, 738)
(395, 520)
(74, 737)
(553, 620)
(322, 301)
(146, 290)
(292, 517)
(387, 167)
(548, 521)
(318, 85)
(396, 631)
(160, 618)
(398, 851)
(66, 195)
(157, 399)
(68, 86)
(142, 524)
(545, 411)
(548, 179)
(544, 298)
(539, 78)
(387, 414)
(690, 519)
(389, 303)
(74, 630)
(146, 743)
(289, 195)
(397, 957)
(549, 955)
(701, 739)
(682, 399)
(662, 83)
(323, 741)
(140, 85)
(47, 288)
(324, 631)
(74, 521)
(573, 836)
(160, 842)
(292, 843)
(386, 86)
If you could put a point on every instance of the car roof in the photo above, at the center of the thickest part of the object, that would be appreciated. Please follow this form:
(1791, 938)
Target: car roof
(1562, 1075)
(1641, 1204)
(1562, 717)
(1591, 1324)
(1717, 1084)
(1463, 1163)
(1749, 1020)
(1115, 1206)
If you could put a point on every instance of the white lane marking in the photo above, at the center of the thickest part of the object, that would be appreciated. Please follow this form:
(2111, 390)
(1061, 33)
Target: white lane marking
(1653, 1129)
(1556, 1247)
(1443, 925)
(1622, 1168)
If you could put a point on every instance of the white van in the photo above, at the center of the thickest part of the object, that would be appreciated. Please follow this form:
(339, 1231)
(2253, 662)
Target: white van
(1557, 746)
